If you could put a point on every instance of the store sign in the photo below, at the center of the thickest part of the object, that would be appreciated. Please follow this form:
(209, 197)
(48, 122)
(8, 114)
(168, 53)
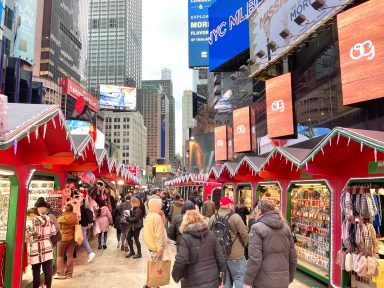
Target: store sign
(75, 91)
(198, 31)
(242, 129)
(279, 106)
(134, 169)
(278, 26)
(221, 153)
(362, 54)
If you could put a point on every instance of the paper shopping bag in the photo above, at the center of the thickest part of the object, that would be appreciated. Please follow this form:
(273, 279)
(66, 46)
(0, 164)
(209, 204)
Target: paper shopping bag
(158, 272)
(78, 234)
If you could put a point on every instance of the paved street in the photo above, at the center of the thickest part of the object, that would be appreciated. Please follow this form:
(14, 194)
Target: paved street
(110, 268)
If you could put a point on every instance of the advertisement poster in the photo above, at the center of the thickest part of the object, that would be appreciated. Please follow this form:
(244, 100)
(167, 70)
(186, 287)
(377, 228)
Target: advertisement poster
(37, 189)
(198, 30)
(221, 143)
(25, 28)
(5, 189)
(224, 105)
(242, 130)
(117, 98)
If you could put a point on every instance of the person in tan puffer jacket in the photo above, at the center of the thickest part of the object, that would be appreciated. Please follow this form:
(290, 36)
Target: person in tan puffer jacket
(66, 245)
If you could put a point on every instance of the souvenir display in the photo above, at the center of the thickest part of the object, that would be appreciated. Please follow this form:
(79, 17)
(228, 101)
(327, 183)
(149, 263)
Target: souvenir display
(272, 193)
(310, 216)
(362, 217)
(5, 190)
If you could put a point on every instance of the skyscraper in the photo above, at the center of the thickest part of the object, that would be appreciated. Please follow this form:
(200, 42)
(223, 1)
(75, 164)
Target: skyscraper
(167, 89)
(166, 74)
(115, 42)
(188, 121)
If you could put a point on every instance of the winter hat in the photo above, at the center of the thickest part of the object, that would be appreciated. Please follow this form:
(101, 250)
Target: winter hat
(348, 262)
(40, 202)
(225, 201)
(188, 205)
(360, 264)
(372, 269)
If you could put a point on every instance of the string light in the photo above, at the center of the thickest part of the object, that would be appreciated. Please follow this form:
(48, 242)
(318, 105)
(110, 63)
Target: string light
(361, 147)
(44, 130)
(375, 154)
(54, 122)
(338, 138)
(29, 137)
(15, 146)
(37, 133)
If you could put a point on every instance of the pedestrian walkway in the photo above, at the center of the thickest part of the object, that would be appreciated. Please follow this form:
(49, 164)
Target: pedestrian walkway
(110, 268)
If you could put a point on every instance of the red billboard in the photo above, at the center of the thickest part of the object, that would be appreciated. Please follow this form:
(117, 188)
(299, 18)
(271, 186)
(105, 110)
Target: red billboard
(242, 129)
(75, 91)
(279, 106)
(221, 151)
(361, 46)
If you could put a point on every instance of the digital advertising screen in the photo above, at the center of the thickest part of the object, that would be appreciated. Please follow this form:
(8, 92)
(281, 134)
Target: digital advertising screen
(228, 29)
(221, 151)
(242, 129)
(198, 30)
(279, 106)
(117, 97)
(277, 27)
(202, 153)
(362, 54)
(224, 105)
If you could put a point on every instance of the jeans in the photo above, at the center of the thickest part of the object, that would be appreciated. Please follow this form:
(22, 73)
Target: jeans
(235, 273)
(105, 238)
(85, 240)
(48, 271)
(135, 234)
(66, 247)
(124, 234)
(118, 234)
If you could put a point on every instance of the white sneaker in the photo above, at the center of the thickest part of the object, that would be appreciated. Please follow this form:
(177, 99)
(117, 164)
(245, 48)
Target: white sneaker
(118, 244)
(91, 256)
(59, 277)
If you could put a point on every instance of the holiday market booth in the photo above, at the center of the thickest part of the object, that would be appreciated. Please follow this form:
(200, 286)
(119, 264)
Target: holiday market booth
(339, 183)
(189, 183)
(37, 153)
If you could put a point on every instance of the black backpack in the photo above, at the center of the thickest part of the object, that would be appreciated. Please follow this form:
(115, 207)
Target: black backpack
(221, 229)
(88, 214)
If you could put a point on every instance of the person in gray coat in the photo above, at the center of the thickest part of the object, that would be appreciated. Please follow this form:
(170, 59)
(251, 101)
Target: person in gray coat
(272, 254)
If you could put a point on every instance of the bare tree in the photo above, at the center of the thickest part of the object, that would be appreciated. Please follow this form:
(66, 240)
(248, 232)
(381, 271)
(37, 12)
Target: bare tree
(205, 121)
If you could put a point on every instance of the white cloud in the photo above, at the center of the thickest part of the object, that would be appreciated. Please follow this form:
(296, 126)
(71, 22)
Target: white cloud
(165, 45)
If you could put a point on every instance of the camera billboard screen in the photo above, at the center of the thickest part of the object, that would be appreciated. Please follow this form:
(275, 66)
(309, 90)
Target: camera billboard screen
(117, 97)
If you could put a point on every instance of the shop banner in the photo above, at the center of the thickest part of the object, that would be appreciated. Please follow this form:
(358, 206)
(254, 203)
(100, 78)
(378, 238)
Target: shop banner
(362, 54)
(198, 31)
(242, 130)
(75, 91)
(278, 26)
(25, 28)
(279, 106)
(221, 151)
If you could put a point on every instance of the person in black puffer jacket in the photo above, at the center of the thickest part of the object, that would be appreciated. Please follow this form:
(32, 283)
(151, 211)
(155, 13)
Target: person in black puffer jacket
(199, 262)
(173, 232)
(136, 221)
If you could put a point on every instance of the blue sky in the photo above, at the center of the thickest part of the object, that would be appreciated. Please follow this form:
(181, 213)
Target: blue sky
(165, 45)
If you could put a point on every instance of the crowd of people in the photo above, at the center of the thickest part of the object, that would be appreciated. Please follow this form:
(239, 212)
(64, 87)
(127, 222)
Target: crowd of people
(215, 247)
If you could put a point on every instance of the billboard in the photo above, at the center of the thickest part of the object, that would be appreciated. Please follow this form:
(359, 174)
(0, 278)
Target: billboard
(221, 151)
(242, 129)
(117, 97)
(202, 153)
(361, 54)
(277, 27)
(228, 29)
(162, 168)
(198, 30)
(25, 28)
(279, 106)
(224, 105)
(75, 91)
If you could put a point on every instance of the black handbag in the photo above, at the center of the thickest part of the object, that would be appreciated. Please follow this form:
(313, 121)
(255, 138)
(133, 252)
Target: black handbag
(56, 238)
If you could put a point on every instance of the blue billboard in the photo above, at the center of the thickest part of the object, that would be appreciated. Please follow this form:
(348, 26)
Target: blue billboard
(228, 29)
(25, 28)
(198, 30)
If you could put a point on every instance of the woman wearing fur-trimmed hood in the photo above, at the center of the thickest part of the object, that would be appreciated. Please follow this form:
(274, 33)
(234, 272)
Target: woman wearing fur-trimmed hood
(199, 262)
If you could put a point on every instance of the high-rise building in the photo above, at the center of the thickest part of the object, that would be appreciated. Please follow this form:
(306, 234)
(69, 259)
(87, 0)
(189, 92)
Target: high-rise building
(115, 44)
(128, 132)
(64, 40)
(187, 121)
(167, 89)
(151, 110)
(166, 74)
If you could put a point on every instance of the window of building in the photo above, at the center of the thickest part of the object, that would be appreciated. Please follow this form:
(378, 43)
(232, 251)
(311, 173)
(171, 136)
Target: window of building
(117, 119)
(7, 46)
(116, 126)
(8, 19)
(116, 134)
(112, 23)
(95, 23)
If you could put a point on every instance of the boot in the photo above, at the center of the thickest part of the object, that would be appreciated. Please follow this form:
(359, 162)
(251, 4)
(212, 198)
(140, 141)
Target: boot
(130, 254)
(138, 255)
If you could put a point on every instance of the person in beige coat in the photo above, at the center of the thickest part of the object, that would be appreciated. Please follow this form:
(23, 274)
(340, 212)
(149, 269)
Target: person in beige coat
(154, 232)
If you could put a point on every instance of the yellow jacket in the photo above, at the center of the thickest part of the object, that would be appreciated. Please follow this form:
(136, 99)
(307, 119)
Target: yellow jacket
(154, 230)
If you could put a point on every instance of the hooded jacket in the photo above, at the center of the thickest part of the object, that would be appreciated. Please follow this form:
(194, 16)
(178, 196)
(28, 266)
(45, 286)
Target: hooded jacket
(68, 222)
(175, 209)
(173, 230)
(199, 258)
(154, 229)
(272, 254)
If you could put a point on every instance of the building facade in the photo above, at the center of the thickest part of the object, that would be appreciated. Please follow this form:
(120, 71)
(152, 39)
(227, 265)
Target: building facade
(166, 74)
(115, 44)
(167, 89)
(127, 130)
(151, 111)
(187, 121)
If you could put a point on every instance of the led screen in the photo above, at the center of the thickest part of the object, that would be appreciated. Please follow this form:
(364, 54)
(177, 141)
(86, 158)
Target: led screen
(117, 98)
(242, 130)
(221, 153)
